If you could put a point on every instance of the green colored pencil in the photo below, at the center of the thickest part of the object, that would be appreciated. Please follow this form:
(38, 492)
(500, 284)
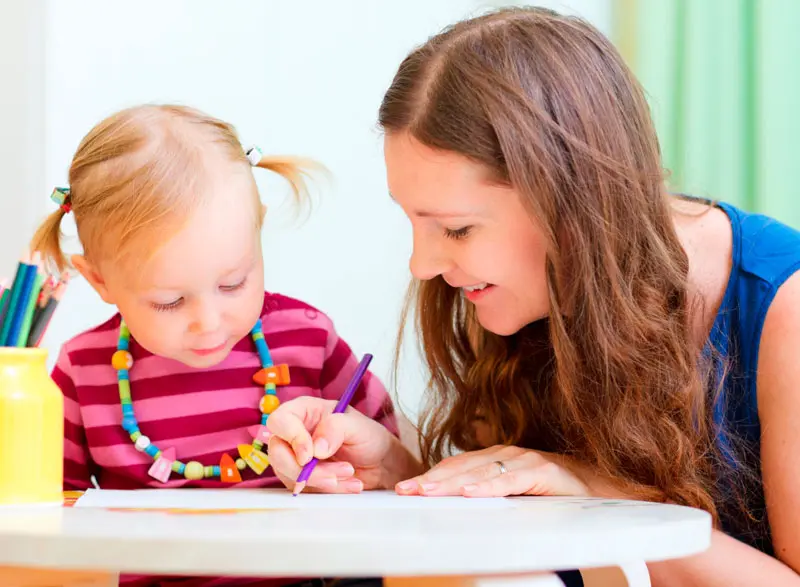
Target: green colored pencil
(25, 329)
(5, 299)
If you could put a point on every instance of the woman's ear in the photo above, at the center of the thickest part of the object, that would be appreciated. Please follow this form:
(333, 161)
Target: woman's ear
(92, 275)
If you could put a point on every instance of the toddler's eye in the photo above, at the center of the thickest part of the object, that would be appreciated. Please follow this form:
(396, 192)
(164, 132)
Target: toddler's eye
(167, 307)
(234, 287)
(457, 233)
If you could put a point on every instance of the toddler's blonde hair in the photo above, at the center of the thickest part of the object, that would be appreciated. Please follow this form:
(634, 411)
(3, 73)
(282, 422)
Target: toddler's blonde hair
(143, 168)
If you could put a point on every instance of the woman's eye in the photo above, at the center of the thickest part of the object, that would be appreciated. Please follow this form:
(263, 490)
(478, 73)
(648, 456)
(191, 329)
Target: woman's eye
(457, 233)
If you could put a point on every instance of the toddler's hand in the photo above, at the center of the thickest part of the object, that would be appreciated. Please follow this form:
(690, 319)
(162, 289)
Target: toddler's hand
(349, 446)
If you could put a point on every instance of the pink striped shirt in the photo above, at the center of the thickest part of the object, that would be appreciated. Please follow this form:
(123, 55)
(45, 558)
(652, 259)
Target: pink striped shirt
(201, 413)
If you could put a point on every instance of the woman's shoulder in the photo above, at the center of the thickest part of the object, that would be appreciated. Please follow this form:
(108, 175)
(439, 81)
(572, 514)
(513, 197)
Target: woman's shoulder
(729, 247)
(764, 246)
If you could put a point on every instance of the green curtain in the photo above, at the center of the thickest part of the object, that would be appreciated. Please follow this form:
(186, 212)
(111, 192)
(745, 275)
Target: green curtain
(723, 82)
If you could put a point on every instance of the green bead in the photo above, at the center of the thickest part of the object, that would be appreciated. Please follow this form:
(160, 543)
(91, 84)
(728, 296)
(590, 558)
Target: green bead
(135, 436)
(194, 470)
(157, 455)
(124, 332)
(125, 391)
(270, 388)
(176, 466)
(240, 464)
(258, 445)
(208, 471)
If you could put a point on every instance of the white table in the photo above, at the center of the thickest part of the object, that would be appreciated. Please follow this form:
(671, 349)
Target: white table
(542, 534)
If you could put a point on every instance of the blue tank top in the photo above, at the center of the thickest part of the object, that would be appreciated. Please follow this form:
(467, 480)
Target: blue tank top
(765, 254)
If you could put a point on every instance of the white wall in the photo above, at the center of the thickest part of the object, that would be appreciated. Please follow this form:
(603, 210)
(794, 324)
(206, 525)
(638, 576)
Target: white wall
(293, 77)
(22, 125)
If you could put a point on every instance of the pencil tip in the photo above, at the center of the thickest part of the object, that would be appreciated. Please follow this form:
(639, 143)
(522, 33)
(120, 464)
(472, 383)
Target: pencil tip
(298, 488)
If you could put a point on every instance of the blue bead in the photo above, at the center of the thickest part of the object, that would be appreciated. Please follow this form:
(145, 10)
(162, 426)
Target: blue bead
(151, 449)
(181, 469)
(216, 470)
(264, 419)
(257, 327)
(123, 374)
(129, 424)
(127, 410)
(263, 353)
(122, 345)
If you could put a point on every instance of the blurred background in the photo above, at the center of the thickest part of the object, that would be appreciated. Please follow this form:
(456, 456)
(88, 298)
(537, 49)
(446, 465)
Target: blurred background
(307, 77)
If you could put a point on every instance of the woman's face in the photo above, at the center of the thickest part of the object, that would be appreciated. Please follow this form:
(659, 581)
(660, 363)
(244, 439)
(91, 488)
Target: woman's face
(473, 233)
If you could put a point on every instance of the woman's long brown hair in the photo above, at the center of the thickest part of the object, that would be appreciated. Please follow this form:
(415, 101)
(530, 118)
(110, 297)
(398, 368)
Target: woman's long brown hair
(614, 376)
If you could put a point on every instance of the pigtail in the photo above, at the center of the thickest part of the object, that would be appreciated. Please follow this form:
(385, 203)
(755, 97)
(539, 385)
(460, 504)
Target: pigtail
(47, 240)
(295, 170)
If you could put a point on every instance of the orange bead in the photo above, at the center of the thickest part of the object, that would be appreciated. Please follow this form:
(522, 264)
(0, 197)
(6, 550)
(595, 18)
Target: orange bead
(228, 472)
(277, 374)
(122, 360)
(269, 403)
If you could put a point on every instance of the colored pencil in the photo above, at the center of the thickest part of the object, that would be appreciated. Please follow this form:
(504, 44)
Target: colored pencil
(5, 299)
(44, 295)
(16, 292)
(39, 327)
(47, 290)
(18, 317)
(33, 298)
(340, 407)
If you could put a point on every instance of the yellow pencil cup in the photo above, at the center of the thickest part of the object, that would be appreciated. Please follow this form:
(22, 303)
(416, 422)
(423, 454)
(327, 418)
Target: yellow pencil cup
(31, 429)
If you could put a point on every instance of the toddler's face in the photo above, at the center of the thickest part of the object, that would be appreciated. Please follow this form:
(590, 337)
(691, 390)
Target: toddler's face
(203, 289)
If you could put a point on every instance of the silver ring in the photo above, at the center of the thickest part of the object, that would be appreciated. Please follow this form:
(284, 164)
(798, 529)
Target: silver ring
(503, 469)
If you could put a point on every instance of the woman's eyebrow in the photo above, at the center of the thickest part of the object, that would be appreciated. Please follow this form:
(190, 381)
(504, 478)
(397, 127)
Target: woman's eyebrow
(439, 213)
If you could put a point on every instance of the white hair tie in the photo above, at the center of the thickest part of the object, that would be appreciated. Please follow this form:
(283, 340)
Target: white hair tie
(254, 155)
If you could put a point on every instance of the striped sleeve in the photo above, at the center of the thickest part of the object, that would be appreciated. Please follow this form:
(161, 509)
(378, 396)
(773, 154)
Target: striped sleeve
(77, 463)
(371, 397)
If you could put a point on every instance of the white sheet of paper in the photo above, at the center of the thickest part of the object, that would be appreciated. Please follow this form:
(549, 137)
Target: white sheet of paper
(241, 499)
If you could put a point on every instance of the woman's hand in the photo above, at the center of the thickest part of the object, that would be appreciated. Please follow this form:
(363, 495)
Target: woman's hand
(498, 471)
(354, 451)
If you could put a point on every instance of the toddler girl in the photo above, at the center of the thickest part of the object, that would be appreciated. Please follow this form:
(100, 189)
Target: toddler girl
(176, 388)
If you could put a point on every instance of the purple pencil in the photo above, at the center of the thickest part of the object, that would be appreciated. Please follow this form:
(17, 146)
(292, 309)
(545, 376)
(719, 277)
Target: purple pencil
(341, 406)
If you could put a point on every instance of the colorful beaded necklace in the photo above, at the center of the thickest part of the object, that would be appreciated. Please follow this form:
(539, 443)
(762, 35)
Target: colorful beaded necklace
(250, 455)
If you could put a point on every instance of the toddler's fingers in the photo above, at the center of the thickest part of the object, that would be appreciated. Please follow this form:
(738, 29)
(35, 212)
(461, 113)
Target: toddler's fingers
(289, 422)
(282, 458)
(331, 476)
(334, 430)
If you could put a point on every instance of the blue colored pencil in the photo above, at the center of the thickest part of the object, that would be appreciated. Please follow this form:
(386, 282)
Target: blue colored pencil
(16, 290)
(18, 315)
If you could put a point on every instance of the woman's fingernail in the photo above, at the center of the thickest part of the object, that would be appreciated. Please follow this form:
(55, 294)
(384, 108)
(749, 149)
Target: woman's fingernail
(469, 488)
(406, 485)
(428, 487)
(321, 448)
